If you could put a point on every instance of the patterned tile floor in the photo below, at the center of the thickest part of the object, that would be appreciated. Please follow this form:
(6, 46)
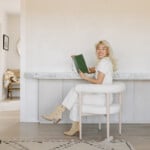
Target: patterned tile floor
(137, 134)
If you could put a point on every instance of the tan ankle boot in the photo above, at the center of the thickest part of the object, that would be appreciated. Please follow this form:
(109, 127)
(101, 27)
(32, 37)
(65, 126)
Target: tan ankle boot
(74, 129)
(56, 115)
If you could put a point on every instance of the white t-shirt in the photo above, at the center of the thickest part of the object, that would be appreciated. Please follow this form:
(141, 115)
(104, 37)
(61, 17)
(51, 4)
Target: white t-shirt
(105, 66)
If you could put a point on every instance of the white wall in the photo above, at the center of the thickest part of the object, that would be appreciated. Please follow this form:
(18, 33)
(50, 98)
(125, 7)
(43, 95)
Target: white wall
(0, 62)
(3, 53)
(9, 25)
(13, 59)
(10, 6)
(56, 29)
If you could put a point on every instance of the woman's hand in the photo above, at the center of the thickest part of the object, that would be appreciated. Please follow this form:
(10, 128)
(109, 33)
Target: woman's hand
(91, 69)
(82, 75)
(99, 80)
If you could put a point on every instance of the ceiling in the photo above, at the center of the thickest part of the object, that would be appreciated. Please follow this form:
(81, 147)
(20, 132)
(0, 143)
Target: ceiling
(10, 6)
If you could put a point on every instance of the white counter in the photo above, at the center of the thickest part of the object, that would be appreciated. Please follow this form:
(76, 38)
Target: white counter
(47, 90)
(73, 75)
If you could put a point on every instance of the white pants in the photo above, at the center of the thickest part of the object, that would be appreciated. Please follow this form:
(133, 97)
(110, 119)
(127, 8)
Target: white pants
(71, 102)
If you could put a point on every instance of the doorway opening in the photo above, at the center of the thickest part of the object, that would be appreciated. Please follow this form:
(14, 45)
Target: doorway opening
(9, 57)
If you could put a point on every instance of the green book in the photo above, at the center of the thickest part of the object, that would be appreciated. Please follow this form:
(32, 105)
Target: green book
(80, 63)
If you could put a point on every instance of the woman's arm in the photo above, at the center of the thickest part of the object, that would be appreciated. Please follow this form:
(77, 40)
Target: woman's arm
(99, 80)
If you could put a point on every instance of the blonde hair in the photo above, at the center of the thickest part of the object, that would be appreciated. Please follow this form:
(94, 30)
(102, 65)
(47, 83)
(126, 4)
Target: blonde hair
(110, 52)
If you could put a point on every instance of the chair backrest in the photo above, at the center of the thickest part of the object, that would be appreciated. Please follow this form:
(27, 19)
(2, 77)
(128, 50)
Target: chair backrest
(117, 87)
(16, 72)
(107, 89)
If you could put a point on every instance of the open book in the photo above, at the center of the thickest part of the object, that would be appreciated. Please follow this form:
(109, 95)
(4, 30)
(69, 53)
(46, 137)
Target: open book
(80, 63)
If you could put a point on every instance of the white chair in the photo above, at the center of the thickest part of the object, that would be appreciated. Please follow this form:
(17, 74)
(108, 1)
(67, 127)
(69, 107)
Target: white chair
(110, 108)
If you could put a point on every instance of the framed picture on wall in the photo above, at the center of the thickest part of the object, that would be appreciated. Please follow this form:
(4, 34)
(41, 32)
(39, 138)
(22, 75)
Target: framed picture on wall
(5, 42)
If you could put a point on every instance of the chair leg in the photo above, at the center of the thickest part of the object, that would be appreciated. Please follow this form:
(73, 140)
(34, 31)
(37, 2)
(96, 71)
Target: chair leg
(108, 127)
(120, 125)
(7, 93)
(11, 95)
(80, 130)
(108, 112)
(100, 125)
(80, 116)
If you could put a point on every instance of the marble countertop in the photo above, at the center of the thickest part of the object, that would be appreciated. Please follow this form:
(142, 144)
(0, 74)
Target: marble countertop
(73, 75)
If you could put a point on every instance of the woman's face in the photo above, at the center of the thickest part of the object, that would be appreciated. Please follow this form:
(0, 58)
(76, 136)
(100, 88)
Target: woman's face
(101, 51)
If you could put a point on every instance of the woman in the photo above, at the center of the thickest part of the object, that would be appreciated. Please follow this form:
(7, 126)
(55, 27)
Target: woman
(103, 75)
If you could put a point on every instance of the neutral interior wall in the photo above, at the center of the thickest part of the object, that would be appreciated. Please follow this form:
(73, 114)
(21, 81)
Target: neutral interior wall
(10, 25)
(53, 30)
(3, 53)
(58, 29)
(0, 63)
(13, 58)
